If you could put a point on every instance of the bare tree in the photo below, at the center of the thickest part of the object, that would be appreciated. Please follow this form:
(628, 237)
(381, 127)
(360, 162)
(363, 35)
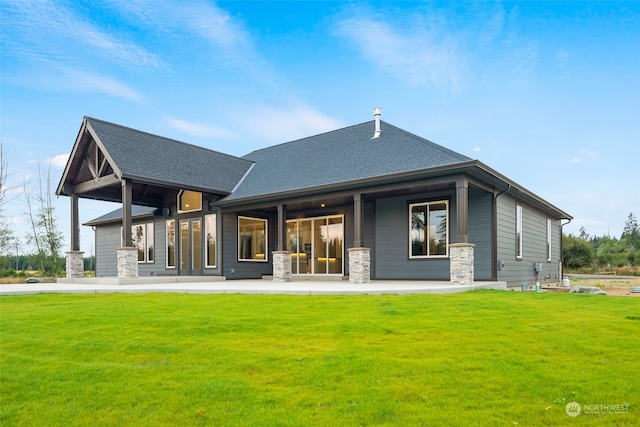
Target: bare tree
(45, 234)
(6, 234)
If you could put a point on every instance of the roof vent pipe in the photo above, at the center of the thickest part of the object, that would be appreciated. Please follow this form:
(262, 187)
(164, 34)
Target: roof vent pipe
(376, 115)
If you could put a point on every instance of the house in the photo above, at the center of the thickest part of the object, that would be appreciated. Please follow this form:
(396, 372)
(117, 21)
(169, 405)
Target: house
(369, 201)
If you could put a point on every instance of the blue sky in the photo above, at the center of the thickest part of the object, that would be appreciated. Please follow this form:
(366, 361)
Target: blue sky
(546, 93)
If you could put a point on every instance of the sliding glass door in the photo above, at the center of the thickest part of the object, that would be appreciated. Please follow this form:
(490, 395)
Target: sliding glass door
(316, 245)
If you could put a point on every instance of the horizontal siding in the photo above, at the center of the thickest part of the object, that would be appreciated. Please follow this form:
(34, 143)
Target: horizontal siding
(231, 267)
(392, 240)
(107, 240)
(518, 272)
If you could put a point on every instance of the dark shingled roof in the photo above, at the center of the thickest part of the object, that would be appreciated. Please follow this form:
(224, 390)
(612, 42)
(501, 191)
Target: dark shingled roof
(151, 158)
(341, 156)
(116, 215)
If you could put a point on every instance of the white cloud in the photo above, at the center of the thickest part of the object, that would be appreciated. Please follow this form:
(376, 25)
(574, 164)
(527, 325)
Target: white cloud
(60, 160)
(414, 54)
(200, 130)
(476, 149)
(281, 125)
(91, 82)
(48, 26)
(575, 160)
(202, 19)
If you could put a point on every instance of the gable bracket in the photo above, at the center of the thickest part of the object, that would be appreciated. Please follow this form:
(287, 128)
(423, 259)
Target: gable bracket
(96, 184)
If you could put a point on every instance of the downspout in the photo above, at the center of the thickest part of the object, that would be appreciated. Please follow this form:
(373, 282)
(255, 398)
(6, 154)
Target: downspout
(494, 245)
(561, 252)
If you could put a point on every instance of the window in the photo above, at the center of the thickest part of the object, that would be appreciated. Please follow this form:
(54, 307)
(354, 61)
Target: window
(142, 239)
(252, 239)
(518, 232)
(189, 201)
(429, 229)
(316, 245)
(548, 239)
(210, 240)
(171, 243)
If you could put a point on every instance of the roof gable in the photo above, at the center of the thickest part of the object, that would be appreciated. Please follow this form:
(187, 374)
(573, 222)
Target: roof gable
(145, 156)
(341, 156)
(148, 159)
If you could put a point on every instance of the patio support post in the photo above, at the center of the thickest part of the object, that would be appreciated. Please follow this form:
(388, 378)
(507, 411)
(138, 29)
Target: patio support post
(281, 257)
(462, 210)
(282, 227)
(126, 213)
(359, 256)
(461, 253)
(74, 262)
(127, 255)
(75, 224)
(357, 220)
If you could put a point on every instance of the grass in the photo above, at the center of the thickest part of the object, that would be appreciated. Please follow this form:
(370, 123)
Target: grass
(481, 358)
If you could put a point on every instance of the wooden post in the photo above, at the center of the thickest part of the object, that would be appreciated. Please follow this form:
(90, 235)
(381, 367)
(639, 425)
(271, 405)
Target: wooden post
(357, 220)
(282, 228)
(462, 210)
(75, 224)
(126, 213)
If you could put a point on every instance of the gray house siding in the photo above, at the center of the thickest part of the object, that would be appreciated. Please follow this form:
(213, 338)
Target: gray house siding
(107, 240)
(480, 234)
(234, 269)
(518, 272)
(392, 240)
(369, 233)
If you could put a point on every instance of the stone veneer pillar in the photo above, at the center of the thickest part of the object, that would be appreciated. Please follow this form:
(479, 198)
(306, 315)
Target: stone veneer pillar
(127, 262)
(359, 265)
(281, 266)
(74, 264)
(461, 257)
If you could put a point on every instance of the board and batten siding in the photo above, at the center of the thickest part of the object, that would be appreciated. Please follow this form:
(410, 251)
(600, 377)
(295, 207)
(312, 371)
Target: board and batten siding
(480, 231)
(519, 272)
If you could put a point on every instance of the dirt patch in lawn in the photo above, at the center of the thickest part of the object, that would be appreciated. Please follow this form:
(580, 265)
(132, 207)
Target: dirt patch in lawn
(615, 286)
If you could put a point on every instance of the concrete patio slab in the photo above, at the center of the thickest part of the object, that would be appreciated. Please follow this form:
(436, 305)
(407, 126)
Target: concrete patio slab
(220, 286)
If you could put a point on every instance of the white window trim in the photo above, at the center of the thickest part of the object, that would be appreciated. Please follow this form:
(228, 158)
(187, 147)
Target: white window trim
(146, 241)
(206, 243)
(180, 211)
(166, 251)
(519, 227)
(435, 202)
(266, 239)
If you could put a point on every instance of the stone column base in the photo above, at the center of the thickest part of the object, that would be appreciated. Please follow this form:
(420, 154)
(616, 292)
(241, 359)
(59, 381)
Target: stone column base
(281, 266)
(461, 257)
(359, 265)
(74, 264)
(127, 263)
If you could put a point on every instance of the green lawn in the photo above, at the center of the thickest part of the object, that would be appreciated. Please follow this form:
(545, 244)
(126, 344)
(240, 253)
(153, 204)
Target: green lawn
(485, 358)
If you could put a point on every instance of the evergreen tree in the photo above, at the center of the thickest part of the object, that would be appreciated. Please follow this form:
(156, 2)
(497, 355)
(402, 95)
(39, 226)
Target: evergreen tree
(630, 239)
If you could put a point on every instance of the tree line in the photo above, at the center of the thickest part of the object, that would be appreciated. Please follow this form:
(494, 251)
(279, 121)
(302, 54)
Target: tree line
(44, 238)
(591, 253)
